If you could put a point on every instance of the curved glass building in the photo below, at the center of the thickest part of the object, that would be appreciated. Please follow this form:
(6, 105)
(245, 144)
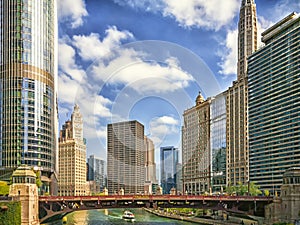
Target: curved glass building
(28, 111)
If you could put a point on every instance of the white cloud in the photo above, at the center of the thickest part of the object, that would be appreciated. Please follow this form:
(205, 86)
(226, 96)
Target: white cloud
(229, 57)
(212, 14)
(160, 127)
(67, 62)
(91, 47)
(72, 11)
(143, 76)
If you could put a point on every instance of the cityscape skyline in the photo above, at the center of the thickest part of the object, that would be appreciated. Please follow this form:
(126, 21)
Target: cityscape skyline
(154, 106)
(138, 95)
(169, 77)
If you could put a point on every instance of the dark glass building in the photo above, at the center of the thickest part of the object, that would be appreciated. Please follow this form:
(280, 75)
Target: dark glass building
(218, 142)
(274, 106)
(168, 168)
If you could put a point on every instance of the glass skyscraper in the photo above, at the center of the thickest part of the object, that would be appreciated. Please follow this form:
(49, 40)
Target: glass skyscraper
(97, 172)
(218, 141)
(168, 168)
(274, 106)
(28, 111)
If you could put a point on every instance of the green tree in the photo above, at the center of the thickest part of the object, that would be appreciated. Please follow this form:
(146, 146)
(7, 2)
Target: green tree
(254, 189)
(266, 192)
(242, 189)
(4, 188)
(230, 189)
(38, 179)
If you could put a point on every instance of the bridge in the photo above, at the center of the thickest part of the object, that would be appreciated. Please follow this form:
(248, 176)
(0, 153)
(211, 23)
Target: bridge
(50, 206)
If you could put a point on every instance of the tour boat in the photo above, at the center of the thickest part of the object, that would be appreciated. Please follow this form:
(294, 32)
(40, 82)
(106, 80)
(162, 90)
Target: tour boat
(128, 216)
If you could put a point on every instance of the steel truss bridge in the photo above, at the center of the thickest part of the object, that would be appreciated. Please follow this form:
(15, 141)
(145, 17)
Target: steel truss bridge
(50, 206)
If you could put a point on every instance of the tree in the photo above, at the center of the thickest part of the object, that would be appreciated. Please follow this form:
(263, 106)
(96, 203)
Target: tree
(230, 189)
(4, 188)
(241, 189)
(254, 189)
(267, 193)
(38, 179)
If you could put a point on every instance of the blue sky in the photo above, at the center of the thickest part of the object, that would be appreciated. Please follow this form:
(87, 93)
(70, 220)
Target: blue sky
(147, 60)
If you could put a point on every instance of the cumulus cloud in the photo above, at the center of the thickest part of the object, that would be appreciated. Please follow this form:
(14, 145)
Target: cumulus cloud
(92, 47)
(129, 68)
(162, 126)
(228, 55)
(211, 14)
(72, 11)
(67, 62)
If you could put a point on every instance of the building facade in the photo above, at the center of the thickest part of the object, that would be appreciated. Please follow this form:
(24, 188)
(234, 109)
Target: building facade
(97, 172)
(237, 152)
(196, 174)
(168, 168)
(274, 93)
(125, 157)
(150, 164)
(218, 142)
(72, 157)
(28, 111)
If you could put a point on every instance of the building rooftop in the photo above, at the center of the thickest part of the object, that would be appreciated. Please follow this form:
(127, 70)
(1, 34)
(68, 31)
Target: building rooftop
(273, 30)
(23, 171)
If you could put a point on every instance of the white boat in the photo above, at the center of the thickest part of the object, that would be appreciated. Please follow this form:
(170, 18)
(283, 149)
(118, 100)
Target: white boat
(128, 216)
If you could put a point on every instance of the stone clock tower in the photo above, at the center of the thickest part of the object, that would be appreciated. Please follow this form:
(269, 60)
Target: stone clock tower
(72, 157)
(77, 124)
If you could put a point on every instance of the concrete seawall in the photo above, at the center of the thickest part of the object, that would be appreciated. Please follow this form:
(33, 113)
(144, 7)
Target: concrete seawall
(191, 219)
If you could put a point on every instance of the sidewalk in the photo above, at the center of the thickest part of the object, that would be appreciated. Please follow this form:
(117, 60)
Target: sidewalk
(191, 219)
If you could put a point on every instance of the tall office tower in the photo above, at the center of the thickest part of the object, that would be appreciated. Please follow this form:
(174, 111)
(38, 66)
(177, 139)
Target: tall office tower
(196, 174)
(179, 186)
(150, 161)
(168, 168)
(274, 107)
(218, 141)
(72, 157)
(97, 172)
(125, 157)
(237, 164)
(28, 111)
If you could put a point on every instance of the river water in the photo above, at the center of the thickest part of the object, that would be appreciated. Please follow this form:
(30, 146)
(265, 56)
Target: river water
(114, 216)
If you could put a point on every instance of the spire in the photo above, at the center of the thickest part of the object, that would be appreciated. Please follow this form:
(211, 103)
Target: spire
(247, 36)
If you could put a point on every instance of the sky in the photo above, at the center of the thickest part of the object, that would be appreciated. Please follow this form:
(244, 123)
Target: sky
(147, 60)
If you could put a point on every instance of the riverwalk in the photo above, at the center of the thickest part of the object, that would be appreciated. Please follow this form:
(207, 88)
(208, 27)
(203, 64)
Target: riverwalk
(199, 220)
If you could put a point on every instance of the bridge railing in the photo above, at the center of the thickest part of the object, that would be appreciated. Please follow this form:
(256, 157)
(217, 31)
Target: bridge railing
(155, 198)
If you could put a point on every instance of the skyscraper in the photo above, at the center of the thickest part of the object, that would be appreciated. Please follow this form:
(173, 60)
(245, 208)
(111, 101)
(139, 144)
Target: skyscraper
(72, 157)
(218, 142)
(196, 157)
(237, 164)
(28, 111)
(97, 172)
(125, 157)
(168, 168)
(150, 161)
(274, 107)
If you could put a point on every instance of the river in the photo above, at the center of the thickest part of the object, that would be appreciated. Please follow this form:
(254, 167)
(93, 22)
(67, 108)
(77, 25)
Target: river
(114, 216)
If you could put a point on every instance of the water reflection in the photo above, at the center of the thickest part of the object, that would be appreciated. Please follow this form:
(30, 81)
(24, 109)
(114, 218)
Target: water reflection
(114, 216)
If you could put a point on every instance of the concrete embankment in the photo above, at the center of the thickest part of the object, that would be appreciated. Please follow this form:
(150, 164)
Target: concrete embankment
(190, 219)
